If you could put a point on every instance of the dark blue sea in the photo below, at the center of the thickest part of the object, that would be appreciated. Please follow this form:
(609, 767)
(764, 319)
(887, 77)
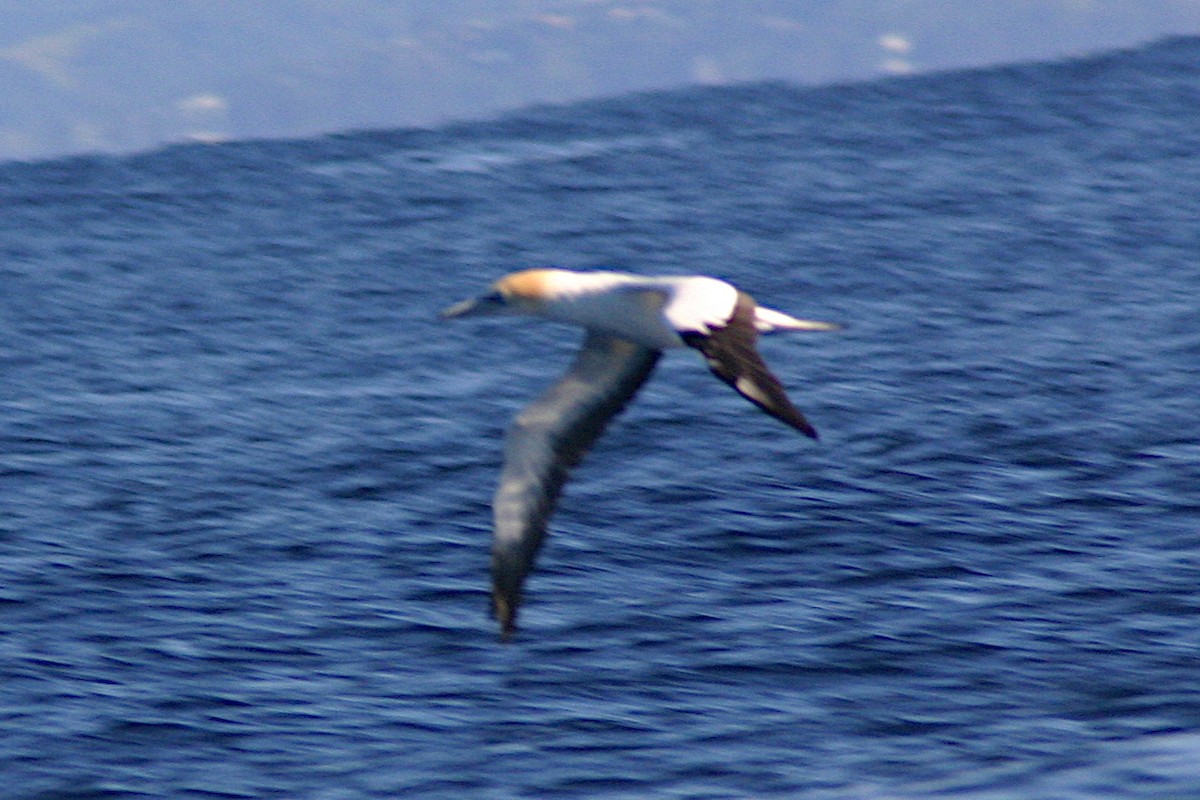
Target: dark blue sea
(245, 472)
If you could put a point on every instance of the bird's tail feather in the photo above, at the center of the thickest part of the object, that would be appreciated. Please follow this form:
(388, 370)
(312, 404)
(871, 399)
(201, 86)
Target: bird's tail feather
(768, 320)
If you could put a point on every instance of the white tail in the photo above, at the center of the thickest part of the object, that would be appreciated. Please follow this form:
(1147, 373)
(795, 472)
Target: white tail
(768, 320)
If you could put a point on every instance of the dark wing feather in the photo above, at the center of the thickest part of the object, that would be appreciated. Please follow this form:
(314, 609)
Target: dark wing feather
(733, 357)
(547, 439)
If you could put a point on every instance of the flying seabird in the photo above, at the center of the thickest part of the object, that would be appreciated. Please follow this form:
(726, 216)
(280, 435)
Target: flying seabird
(629, 320)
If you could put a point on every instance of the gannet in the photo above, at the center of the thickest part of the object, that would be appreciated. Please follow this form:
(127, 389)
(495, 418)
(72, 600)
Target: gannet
(628, 321)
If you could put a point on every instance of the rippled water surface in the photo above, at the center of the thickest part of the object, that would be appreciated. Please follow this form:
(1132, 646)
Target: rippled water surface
(245, 472)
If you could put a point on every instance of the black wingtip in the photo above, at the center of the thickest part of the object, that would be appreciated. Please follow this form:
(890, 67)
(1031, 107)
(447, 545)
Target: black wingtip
(504, 609)
(798, 422)
(779, 407)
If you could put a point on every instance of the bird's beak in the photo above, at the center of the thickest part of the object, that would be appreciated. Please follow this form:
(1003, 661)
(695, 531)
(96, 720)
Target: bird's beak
(489, 305)
(464, 309)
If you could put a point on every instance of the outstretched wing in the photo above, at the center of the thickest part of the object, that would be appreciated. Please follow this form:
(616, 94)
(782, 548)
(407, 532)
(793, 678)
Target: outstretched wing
(545, 441)
(732, 356)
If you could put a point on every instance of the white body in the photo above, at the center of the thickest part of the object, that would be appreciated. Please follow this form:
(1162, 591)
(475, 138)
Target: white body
(648, 311)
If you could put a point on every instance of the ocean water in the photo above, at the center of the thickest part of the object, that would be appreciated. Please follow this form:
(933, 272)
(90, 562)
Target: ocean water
(245, 472)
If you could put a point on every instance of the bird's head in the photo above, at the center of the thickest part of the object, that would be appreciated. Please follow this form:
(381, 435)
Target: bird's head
(524, 292)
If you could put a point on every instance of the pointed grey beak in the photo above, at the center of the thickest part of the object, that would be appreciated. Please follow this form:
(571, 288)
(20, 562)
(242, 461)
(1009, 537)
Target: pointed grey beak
(463, 309)
(489, 305)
